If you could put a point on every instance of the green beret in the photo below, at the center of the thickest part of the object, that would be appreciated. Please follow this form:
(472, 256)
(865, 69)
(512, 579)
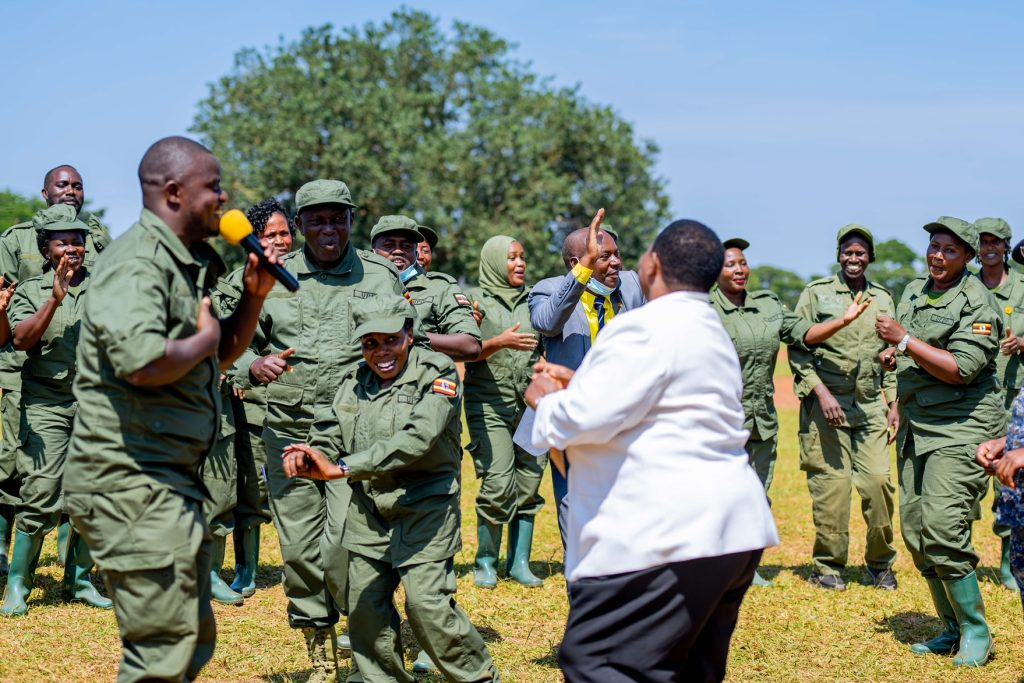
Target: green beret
(429, 235)
(381, 314)
(994, 226)
(959, 227)
(859, 230)
(402, 224)
(58, 218)
(736, 243)
(323, 192)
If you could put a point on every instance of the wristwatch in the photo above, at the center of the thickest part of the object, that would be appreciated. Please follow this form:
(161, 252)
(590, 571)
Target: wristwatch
(901, 348)
(344, 468)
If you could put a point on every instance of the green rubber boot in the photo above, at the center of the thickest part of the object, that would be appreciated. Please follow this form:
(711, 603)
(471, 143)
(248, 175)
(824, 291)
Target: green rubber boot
(20, 574)
(949, 639)
(6, 524)
(321, 644)
(78, 564)
(424, 664)
(63, 538)
(975, 639)
(1005, 571)
(247, 560)
(220, 592)
(488, 536)
(520, 542)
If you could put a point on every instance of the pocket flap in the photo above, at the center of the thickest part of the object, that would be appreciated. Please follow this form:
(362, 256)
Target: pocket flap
(930, 396)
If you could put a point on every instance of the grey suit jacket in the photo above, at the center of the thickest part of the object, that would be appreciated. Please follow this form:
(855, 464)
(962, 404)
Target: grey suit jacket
(557, 313)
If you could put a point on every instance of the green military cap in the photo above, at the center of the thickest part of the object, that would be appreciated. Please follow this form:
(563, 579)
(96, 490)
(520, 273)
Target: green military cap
(854, 229)
(429, 235)
(994, 226)
(610, 230)
(58, 218)
(959, 227)
(402, 224)
(736, 243)
(323, 192)
(381, 314)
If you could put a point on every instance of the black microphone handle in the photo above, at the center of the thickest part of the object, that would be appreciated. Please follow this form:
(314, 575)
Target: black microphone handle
(253, 246)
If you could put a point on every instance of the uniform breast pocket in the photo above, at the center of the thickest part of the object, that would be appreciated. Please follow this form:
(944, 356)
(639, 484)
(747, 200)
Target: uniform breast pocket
(285, 312)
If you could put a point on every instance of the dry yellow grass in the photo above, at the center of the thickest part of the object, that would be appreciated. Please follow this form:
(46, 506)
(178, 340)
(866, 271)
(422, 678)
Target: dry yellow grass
(786, 633)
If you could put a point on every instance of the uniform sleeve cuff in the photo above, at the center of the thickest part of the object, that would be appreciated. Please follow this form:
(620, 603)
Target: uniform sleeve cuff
(582, 273)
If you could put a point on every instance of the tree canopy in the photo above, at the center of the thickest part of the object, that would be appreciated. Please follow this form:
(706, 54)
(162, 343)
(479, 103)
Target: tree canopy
(444, 126)
(16, 208)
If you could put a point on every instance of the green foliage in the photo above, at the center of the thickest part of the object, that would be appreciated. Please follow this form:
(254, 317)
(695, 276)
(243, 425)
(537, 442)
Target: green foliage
(446, 127)
(16, 208)
(786, 284)
(895, 265)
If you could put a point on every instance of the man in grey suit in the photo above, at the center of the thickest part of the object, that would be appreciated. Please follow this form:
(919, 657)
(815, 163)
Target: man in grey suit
(570, 310)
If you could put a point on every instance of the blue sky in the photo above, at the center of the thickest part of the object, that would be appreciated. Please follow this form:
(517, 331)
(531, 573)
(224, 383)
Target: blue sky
(777, 121)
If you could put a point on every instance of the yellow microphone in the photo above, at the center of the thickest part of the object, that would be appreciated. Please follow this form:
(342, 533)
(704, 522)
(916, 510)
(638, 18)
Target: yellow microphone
(237, 230)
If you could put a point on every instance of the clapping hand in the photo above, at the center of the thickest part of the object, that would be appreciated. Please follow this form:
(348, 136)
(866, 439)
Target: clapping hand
(302, 460)
(62, 278)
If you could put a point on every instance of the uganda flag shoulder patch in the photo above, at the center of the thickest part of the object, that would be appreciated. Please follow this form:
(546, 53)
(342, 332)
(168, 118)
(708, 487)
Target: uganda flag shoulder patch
(982, 328)
(445, 387)
(463, 300)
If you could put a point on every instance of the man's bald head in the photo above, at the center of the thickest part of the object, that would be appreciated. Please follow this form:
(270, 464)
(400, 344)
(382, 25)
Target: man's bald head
(575, 244)
(169, 159)
(181, 184)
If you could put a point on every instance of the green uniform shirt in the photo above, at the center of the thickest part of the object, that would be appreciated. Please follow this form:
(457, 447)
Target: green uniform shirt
(965, 323)
(49, 369)
(20, 259)
(317, 322)
(846, 363)
(225, 296)
(441, 305)
(756, 328)
(1010, 303)
(403, 448)
(145, 290)
(504, 376)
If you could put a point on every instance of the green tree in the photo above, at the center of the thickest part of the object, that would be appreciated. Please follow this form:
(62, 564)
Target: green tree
(786, 284)
(895, 265)
(16, 208)
(444, 126)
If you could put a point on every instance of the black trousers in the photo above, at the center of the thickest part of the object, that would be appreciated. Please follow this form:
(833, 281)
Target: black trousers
(669, 623)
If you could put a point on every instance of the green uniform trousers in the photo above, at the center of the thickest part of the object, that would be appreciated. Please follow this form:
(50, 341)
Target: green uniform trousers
(45, 435)
(939, 492)
(509, 476)
(220, 476)
(762, 454)
(299, 508)
(152, 546)
(836, 459)
(253, 506)
(10, 413)
(441, 627)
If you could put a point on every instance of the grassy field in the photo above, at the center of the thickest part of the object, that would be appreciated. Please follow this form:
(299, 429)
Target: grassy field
(788, 632)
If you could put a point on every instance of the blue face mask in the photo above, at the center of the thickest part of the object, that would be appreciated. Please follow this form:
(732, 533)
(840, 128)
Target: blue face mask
(409, 273)
(600, 289)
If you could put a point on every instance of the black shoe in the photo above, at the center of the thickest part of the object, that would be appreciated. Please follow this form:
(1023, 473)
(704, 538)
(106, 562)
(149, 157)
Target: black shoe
(885, 579)
(832, 582)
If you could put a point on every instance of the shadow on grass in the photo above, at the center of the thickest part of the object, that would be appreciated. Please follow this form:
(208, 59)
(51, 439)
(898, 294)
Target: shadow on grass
(549, 660)
(542, 570)
(910, 627)
(301, 676)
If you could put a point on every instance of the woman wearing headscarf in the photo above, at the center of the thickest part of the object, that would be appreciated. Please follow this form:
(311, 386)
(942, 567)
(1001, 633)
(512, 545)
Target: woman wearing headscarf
(943, 346)
(757, 322)
(495, 384)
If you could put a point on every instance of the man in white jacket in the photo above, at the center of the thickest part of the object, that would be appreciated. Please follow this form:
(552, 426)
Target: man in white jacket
(667, 520)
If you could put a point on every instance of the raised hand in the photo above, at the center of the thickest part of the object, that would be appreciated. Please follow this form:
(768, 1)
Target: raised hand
(62, 278)
(520, 341)
(6, 294)
(257, 281)
(856, 308)
(590, 256)
(268, 368)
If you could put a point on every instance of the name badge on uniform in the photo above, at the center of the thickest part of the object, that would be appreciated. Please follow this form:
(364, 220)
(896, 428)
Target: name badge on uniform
(463, 300)
(369, 295)
(982, 328)
(445, 387)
